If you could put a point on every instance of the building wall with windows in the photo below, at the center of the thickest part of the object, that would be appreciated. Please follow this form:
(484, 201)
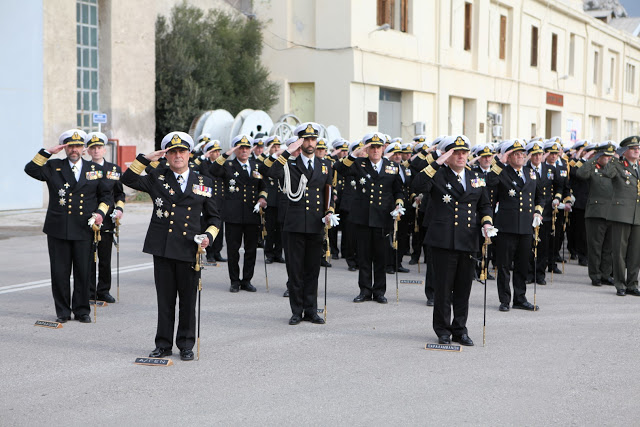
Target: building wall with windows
(490, 69)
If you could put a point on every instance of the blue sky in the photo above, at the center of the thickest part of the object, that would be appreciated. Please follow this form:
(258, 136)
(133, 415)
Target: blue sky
(632, 7)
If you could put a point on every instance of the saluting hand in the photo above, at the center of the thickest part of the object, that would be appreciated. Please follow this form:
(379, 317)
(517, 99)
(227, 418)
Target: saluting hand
(361, 152)
(295, 145)
(505, 156)
(156, 155)
(589, 155)
(232, 150)
(443, 158)
(56, 148)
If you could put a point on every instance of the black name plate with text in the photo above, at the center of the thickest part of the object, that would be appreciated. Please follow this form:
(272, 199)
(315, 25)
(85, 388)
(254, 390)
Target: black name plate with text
(100, 303)
(153, 361)
(443, 347)
(412, 282)
(47, 324)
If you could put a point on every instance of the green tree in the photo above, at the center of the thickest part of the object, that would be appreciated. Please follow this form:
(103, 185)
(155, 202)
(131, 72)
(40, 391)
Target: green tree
(206, 61)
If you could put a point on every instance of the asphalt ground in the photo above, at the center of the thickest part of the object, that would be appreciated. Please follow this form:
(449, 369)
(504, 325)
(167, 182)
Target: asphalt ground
(571, 363)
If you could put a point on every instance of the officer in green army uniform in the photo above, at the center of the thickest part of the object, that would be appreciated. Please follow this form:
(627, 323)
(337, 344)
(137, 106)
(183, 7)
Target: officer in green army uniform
(590, 169)
(624, 213)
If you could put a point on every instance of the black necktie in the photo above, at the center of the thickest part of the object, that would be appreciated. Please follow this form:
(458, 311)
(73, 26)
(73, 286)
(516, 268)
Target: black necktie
(245, 169)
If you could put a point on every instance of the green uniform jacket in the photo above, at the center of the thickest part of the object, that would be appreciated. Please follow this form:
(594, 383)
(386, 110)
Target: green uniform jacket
(600, 188)
(625, 205)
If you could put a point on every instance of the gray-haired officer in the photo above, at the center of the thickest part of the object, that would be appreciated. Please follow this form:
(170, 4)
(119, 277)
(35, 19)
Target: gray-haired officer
(245, 194)
(378, 199)
(180, 196)
(95, 142)
(520, 210)
(599, 241)
(460, 206)
(77, 196)
(394, 256)
(624, 214)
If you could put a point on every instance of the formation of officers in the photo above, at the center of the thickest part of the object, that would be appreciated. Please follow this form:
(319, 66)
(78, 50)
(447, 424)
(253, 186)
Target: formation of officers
(440, 201)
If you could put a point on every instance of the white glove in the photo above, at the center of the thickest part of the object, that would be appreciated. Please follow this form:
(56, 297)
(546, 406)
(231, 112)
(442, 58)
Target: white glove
(573, 199)
(92, 220)
(256, 208)
(399, 210)
(334, 220)
(555, 203)
(198, 238)
(417, 201)
(537, 220)
(490, 231)
(561, 206)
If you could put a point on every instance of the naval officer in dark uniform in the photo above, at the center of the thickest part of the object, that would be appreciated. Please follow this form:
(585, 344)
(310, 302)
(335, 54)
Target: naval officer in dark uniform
(245, 193)
(520, 202)
(307, 181)
(624, 214)
(378, 200)
(78, 198)
(111, 174)
(460, 207)
(180, 196)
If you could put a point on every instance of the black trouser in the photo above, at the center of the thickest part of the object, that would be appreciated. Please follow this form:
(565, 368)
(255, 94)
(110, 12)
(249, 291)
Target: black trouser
(304, 266)
(216, 246)
(348, 244)
(285, 249)
(333, 236)
(417, 239)
(65, 255)
(599, 249)
(545, 247)
(430, 274)
(371, 247)
(558, 240)
(391, 253)
(235, 234)
(175, 279)
(453, 277)
(105, 247)
(579, 231)
(513, 247)
(405, 227)
(273, 242)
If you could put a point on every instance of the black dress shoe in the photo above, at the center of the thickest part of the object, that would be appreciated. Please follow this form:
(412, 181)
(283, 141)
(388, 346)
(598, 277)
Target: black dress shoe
(268, 261)
(295, 320)
(362, 298)
(380, 299)
(235, 288)
(504, 307)
(608, 281)
(541, 282)
(186, 354)
(596, 283)
(286, 294)
(528, 280)
(335, 256)
(160, 352)
(621, 292)
(634, 292)
(490, 276)
(313, 318)
(63, 319)
(107, 298)
(352, 268)
(463, 339)
(219, 258)
(390, 270)
(444, 339)
(583, 262)
(429, 302)
(324, 263)
(572, 256)
(526, 306)
(247, 286)
(555, 270)
(560, 259)
(83, 318)
(211, 258)
(279, 259)
(401, 269)
(413, 261)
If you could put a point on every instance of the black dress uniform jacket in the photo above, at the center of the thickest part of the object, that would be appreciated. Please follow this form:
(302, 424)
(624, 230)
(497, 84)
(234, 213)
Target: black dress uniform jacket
(457, 213)
(176, 215)
(552, 188)
(71, 203)
(376, 193)
(112, 174)
(243, 189)
(518, 201)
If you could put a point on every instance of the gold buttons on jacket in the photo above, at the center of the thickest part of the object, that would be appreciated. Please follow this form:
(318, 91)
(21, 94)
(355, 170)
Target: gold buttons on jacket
(173, 205)
(171, 222)
(170, 230)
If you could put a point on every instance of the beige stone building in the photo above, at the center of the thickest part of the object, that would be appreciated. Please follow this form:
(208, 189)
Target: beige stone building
(490, 69)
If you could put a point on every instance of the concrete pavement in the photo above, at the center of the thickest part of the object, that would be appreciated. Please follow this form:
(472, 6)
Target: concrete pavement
(571, 363)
